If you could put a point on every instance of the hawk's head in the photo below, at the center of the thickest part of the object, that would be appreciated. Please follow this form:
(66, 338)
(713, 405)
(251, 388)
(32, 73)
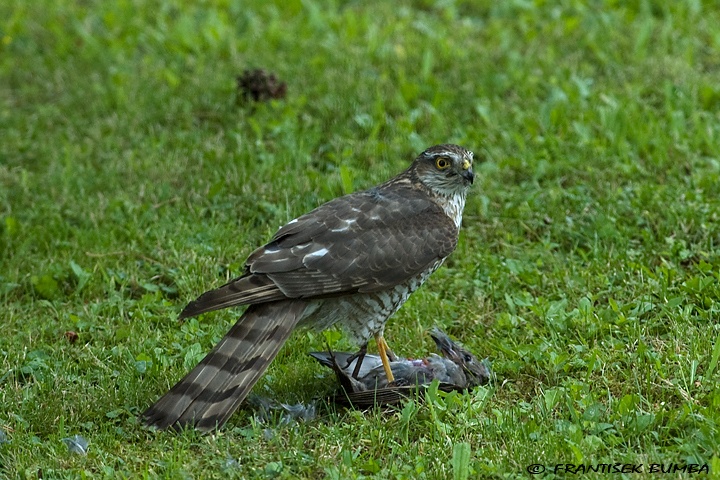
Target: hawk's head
(445, 169)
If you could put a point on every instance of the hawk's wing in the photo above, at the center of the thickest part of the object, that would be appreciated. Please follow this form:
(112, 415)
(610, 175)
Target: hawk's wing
(364, 242)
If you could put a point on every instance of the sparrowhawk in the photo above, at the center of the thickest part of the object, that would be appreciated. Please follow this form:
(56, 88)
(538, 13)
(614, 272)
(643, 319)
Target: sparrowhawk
(352, 261)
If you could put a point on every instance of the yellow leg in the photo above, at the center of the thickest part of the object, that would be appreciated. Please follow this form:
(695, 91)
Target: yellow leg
(382, 351)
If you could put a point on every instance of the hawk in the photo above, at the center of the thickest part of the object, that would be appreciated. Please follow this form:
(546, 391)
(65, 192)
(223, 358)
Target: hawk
(352, 262)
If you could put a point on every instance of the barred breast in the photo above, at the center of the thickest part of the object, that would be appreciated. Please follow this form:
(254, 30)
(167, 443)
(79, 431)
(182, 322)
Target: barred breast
(361, 315)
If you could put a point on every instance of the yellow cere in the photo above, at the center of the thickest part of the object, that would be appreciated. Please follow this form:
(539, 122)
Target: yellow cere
(466, 164)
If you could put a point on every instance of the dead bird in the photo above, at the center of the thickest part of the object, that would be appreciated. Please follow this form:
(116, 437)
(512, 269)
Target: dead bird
(364, 382)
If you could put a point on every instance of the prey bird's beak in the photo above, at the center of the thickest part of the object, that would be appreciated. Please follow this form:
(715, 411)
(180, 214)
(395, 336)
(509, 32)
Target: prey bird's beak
(443, 343)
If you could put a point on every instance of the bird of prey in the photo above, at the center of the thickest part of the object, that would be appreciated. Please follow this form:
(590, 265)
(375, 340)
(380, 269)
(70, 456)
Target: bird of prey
(351, 262)
(365, 384)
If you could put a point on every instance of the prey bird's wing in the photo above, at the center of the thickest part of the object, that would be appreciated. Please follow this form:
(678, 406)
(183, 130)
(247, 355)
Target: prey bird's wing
(364, 242)
(347, 362)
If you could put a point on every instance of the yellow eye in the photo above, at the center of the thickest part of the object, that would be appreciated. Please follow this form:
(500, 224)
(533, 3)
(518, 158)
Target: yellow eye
(442, 163)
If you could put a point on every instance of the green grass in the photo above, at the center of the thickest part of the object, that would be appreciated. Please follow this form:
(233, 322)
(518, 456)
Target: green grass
(588, 269)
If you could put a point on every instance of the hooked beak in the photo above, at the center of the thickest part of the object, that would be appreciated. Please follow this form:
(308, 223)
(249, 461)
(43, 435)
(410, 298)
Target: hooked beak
(468, 175)
(467, 172)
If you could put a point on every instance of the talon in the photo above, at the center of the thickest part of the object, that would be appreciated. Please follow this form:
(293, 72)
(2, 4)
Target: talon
(359, 356)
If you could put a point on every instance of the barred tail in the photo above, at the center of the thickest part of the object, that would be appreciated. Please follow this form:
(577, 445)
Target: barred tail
(216, 387)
